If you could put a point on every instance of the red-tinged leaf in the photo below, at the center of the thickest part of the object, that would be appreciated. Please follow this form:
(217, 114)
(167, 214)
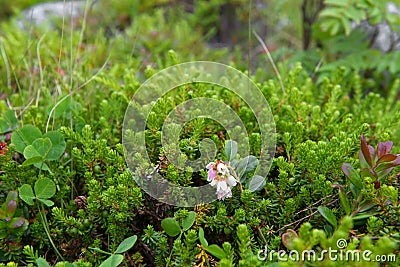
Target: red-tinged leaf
(372, 153)
(17, 222)
(365, 150)
(384, 172)
(338, 186)
(11, 207)
(384, 148)
(288, 237)
(387, 158)
(377, 185)
(396, 162)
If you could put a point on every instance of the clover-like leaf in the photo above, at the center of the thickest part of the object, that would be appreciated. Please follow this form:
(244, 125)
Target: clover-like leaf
(26, 194)
(42, 262)
(126, 244)
(8, 122)
(58, 145)
(40, 147)
(24, 137)
(47, 202)
(44, 188)
(33, 160)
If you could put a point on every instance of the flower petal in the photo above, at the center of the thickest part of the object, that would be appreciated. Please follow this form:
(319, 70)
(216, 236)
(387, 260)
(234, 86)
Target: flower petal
(213, 182)
(211, 174)
(231, 181)
(222, 186)
(210, 165)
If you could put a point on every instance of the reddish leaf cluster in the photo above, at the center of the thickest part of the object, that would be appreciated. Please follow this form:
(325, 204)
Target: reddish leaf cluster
(379, 162)
(3, 148)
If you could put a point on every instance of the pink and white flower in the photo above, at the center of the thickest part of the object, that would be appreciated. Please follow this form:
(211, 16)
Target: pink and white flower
(219, 176)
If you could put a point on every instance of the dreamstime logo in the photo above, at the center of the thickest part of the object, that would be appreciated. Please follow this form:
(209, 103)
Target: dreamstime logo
(141, 110)
(340, 254)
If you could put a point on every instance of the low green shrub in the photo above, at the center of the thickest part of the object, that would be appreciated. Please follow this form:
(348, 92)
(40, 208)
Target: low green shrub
(61, 133)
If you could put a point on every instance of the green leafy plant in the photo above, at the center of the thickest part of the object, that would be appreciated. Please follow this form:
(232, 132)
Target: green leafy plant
(117, 256)
(9, 222)
(37, 148)
(8, 121)
(44, 189)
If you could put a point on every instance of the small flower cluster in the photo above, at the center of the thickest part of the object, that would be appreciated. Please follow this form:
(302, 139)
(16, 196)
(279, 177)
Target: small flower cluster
(3, 148)
(219, 176)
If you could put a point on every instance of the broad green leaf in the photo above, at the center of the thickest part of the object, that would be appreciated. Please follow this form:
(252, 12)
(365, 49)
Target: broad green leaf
(8, 122)
(25, 136)
(17, 222)
(63, 108)
(256, 183)
(44, 188)
(40, 147)
(42, 165)
(113, 261)
(10, 205)
(344, 201)
(26, 194)
(58, 145)
(366, 206)
(216, 251)
(126, 244)
(328, 215)
(171, 226)
(188, 221)
(231, 149)
(353, 175)
(32, 160)
(202, 239)
(10, 208)
(12, 195)
(47, 202)
(246, 165)
(362, 216)
(42, 262)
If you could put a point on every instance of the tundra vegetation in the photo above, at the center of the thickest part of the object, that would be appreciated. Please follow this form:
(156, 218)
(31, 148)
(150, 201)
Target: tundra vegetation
(68, 199)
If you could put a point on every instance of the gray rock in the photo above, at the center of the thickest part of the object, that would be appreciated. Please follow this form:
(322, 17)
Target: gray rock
(382, 36)
(44, 13)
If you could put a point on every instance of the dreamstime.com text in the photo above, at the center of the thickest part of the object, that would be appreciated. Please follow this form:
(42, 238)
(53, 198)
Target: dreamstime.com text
(353, 255)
